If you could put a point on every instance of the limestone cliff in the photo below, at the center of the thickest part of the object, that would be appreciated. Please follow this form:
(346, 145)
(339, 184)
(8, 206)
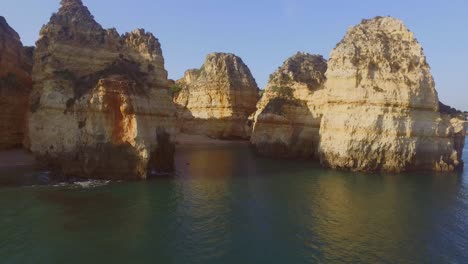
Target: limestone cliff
(217, 99)
(99, 106)
(287, 121)
(15, 86)
(382, 106)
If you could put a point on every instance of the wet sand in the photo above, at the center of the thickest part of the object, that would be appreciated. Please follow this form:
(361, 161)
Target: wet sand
(20, 157)
(186, 139)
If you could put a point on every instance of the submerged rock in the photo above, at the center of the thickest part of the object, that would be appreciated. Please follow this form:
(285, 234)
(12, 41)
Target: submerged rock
(217, 99)
(287, 121)
(100, 101)
(15, 86)
(382, 106)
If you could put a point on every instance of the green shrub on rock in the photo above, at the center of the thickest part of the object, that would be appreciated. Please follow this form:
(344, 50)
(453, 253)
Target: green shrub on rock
(283, 91)
(175, 89)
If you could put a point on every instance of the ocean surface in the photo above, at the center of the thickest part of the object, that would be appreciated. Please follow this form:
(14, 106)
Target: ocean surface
(226, 205)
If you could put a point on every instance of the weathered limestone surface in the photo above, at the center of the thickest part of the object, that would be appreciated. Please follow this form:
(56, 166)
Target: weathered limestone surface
(100, 106)
(382, 106)
(217, 99)
(287, 120)
(15, 86)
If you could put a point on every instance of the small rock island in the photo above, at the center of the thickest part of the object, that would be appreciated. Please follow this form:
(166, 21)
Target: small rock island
(92, 103)
(287, 120)
(217, 99)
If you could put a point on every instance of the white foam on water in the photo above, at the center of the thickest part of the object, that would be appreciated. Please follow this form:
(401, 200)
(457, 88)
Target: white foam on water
(82, 184)
(62, 184)
(91, 183)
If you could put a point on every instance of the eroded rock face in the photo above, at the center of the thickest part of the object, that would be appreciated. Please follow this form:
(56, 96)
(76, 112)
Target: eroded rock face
(217, 99)
(382, 106)
(100, 100)
(15, 86)
(287, 120)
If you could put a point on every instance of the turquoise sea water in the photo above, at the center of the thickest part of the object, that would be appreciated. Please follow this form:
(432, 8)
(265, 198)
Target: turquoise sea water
(225, 205)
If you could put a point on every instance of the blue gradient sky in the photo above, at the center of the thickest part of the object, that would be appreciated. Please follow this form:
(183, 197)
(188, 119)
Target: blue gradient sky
(265, 33)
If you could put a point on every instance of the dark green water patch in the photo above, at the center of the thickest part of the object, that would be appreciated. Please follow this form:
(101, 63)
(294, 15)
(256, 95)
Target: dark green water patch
(226, 205)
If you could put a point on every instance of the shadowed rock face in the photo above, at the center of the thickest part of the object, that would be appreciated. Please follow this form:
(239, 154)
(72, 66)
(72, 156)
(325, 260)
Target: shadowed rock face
(448, 110)
(287, 121)
(217, 99)
(15, 86)
(382, 106)
(100, 100)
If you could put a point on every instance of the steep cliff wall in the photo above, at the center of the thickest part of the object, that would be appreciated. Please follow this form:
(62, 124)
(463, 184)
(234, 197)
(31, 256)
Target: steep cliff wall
(287, 120)
(15, 86)
(382, 106)
(100, 100)
(217, 99)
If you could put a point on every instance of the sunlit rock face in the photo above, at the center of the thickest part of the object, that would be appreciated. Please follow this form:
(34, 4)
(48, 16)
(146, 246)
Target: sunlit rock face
(287, 121)
(100, 106)
(382, 106)
(217, 99)
(15, 86)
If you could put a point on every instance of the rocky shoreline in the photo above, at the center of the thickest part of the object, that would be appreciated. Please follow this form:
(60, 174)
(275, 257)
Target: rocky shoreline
(92, 103)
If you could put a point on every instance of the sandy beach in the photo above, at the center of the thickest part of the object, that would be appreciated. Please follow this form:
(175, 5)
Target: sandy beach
(187, 139)
(20, 157)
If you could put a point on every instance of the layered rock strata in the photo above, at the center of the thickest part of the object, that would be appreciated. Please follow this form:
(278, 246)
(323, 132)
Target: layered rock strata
(100, 106)
(382, 109)
(287, 120)
(15, 86)
(217, 99)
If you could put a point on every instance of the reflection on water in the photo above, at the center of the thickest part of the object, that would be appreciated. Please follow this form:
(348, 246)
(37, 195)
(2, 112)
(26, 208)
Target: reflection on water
(226, 205)
(376, 217)
(204, 207)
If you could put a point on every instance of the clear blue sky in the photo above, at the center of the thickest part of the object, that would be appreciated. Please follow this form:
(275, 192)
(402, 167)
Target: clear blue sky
(265, 33)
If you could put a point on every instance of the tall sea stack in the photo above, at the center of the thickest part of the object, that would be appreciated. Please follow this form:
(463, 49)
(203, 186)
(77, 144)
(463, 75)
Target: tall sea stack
(382, 109)
(15, 86)
(100, 106)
